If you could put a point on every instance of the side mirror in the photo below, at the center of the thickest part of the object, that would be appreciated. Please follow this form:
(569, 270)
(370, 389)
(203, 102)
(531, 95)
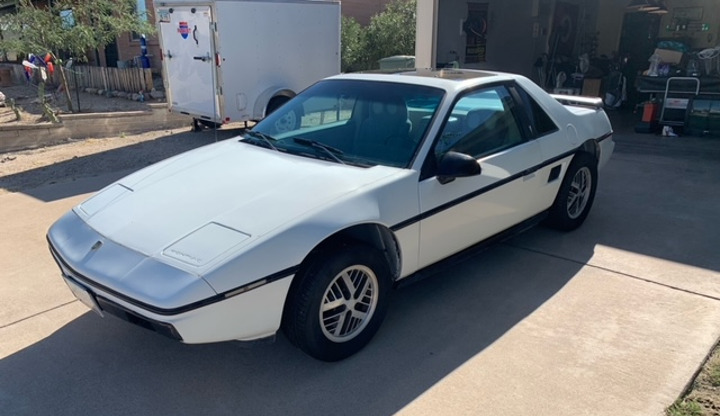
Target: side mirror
(457, 165)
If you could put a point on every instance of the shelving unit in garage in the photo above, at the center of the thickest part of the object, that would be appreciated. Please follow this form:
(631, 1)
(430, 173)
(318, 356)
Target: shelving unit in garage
(678, 92)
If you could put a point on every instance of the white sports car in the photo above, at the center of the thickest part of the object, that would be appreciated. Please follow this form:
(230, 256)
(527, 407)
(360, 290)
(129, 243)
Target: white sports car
(307, 221)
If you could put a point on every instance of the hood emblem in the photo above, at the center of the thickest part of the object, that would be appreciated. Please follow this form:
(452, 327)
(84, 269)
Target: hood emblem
(96, 246)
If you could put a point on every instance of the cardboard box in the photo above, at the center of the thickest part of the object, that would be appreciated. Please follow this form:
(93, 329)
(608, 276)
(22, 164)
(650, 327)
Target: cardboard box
(591, 87)
(669, 56)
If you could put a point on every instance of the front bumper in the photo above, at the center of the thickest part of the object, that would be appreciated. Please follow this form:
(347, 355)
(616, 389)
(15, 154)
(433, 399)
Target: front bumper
(253, 315)
(115, 280)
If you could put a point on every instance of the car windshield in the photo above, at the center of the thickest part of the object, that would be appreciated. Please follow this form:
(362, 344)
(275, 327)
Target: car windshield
(356, 122)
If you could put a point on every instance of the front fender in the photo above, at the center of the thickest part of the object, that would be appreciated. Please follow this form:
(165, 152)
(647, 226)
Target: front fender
(284, 250)
(285, 247)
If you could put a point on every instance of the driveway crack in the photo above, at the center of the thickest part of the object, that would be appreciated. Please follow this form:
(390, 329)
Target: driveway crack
(632, 276)
(37, 314)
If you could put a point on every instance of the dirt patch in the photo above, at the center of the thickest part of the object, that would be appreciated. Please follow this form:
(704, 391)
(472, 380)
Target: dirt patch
(705, 389)
(31, 111)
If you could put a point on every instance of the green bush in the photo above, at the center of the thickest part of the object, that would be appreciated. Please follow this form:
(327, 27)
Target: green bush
(390, 32)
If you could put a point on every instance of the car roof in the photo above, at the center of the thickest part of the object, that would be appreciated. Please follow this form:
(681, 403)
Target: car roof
(449, 79)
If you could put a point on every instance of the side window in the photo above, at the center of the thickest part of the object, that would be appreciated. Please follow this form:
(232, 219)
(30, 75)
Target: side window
(319, 111)
(481, 123)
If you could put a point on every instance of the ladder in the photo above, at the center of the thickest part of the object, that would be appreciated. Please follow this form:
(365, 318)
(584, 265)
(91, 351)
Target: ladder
(677, 98)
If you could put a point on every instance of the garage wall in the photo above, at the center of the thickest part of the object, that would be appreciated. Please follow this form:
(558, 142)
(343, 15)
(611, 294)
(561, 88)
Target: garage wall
(518, 31)
(696, 38)
(610, 19)
(609, 25)
(510, 42)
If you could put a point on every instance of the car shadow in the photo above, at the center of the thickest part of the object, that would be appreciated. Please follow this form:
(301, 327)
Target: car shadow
(108, 166)
(647, 203)
(93, 366)
(658, 197)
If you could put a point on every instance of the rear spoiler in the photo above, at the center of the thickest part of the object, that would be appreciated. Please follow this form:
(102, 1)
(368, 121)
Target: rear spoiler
(592, 102)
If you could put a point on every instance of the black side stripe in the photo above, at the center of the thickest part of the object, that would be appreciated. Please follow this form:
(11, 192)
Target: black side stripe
(293, 269)
(180, 309)
(471, 195)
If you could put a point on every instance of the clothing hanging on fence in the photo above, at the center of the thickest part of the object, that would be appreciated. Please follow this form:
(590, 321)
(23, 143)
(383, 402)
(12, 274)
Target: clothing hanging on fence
(45, 65)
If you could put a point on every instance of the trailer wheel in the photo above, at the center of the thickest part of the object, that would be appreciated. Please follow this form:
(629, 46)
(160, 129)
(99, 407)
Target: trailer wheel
(287, 121)
(198, 125)
(274, 104)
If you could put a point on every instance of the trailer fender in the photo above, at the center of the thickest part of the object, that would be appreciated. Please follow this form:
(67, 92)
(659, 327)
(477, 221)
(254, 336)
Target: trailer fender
(264, 99)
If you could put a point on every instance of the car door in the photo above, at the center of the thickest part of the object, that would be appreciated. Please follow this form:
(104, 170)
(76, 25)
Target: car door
(488, 125)
(555, 144)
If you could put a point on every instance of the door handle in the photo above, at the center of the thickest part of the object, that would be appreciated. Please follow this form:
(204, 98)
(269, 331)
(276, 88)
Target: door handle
(201, 58)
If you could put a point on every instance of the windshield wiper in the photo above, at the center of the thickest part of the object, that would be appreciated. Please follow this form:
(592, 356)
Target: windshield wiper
(329, 150)
(267, 139)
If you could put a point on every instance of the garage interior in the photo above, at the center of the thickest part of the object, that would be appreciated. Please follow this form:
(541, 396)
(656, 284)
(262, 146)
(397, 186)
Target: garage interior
(656, 59)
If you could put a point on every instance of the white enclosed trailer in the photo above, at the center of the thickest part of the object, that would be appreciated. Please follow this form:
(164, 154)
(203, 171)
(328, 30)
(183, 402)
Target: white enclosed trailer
(237, 60)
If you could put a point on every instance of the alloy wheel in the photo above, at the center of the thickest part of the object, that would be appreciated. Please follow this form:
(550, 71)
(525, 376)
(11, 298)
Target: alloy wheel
(579, 194)
(349, 303)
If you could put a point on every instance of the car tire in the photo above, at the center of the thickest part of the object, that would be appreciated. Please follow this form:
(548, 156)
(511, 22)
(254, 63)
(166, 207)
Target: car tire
(576, 195)
(326, 317)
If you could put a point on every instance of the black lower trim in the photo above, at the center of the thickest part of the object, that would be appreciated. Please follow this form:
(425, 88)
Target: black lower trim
(180, 309)
(162, 328)
(471, 251)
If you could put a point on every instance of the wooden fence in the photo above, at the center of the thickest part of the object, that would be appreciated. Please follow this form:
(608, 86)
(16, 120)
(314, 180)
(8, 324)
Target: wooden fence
(130, 80)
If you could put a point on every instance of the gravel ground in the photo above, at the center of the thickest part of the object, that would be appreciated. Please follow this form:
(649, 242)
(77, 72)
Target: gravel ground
(88, 157)
(91, 157)
(26, 98)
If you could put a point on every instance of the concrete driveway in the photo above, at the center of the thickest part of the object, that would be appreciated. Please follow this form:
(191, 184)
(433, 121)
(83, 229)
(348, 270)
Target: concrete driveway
(612, 319)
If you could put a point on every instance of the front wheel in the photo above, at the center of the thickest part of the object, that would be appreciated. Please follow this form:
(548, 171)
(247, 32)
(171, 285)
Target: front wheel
(338, 302)
(576, 194)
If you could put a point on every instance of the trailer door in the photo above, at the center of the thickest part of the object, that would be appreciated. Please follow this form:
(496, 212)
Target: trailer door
(188, 48)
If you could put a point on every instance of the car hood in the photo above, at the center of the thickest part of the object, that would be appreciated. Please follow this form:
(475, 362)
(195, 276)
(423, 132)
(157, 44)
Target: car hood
(197, 207)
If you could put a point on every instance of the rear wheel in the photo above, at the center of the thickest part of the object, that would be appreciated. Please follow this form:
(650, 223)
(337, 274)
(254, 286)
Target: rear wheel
(338, 302)
(576, 195)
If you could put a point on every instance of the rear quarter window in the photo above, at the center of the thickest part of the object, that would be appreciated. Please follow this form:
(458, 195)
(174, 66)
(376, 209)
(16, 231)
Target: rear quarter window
(540, 121)
(543, 123)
